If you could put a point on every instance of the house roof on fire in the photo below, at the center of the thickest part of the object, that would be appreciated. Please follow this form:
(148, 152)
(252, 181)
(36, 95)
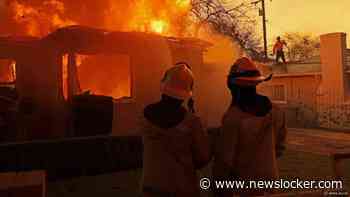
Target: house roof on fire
(87, 40)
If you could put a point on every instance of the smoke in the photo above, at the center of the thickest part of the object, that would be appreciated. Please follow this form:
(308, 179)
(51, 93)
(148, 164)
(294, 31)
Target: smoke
(222, 52)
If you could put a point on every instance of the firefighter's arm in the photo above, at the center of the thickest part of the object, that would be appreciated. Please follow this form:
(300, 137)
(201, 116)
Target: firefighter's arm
(201, 145)
(224, 153)
(226, 148)
(281, 132)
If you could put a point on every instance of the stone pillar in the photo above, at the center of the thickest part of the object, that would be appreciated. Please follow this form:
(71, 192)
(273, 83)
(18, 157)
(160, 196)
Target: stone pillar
(333, 48)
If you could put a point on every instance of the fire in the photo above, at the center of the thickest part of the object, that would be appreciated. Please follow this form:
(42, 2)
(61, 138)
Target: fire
(41, 20)
(7, 71)
(159, 26)
(159, 16)
(184, 4)
(13, 71)
(79, 60)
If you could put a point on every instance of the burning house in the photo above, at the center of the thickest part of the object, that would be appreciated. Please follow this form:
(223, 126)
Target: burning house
(125, 67)
(50, 56)
(58, 74)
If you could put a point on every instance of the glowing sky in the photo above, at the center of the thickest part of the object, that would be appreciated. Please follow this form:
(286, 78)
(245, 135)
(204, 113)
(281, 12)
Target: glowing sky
(313, 16)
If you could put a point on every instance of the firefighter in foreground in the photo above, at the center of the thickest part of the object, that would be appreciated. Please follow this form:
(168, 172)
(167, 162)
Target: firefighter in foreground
(253, 132)
(175, 143)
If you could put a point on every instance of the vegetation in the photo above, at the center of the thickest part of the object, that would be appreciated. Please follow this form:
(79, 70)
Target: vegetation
(301, 46)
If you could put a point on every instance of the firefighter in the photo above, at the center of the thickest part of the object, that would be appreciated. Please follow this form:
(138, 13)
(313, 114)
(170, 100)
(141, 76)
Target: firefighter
(253, 132)
(278, 50)
(175, 143)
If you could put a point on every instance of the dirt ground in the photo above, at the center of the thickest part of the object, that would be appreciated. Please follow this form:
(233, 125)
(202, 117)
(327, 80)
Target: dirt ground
(127, 184)
(294, 164)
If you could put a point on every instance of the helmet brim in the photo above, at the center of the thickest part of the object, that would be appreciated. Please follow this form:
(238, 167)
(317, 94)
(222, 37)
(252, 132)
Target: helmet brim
(175, 92)
(253, 80)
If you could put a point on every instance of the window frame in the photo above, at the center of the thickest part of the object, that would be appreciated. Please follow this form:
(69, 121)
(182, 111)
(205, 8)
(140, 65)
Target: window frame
(131, 98)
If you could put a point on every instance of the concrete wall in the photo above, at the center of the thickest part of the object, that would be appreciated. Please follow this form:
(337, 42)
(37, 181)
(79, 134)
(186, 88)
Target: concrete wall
(335, 88)
(301, 100)
(39, 84)
(333, 48)
(299, 88)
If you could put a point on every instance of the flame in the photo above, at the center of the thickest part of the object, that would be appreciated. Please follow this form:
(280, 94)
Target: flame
(13, 71)
(159, 26)
(7, 71)
(40, 20)
(159, 16)
(184, 4)
(166, 17)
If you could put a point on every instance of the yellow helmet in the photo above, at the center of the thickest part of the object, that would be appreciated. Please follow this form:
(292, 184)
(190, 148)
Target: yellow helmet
(178, 82)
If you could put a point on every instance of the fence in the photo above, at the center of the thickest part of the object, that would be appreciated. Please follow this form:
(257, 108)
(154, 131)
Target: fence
(327, 110)
(333, 110)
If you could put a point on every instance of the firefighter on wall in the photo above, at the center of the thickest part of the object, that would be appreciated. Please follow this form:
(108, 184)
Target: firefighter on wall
(278, 50)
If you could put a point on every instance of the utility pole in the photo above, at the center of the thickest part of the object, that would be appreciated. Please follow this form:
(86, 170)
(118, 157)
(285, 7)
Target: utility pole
(262, 12)
(264, 28)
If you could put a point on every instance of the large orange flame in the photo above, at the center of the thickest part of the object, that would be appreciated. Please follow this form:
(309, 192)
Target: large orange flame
(159, 26)
(156, 16)
(40, 20)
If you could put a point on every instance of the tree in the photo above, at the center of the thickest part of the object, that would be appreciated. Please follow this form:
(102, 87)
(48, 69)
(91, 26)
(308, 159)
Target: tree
(235, 22)
(301, 46)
